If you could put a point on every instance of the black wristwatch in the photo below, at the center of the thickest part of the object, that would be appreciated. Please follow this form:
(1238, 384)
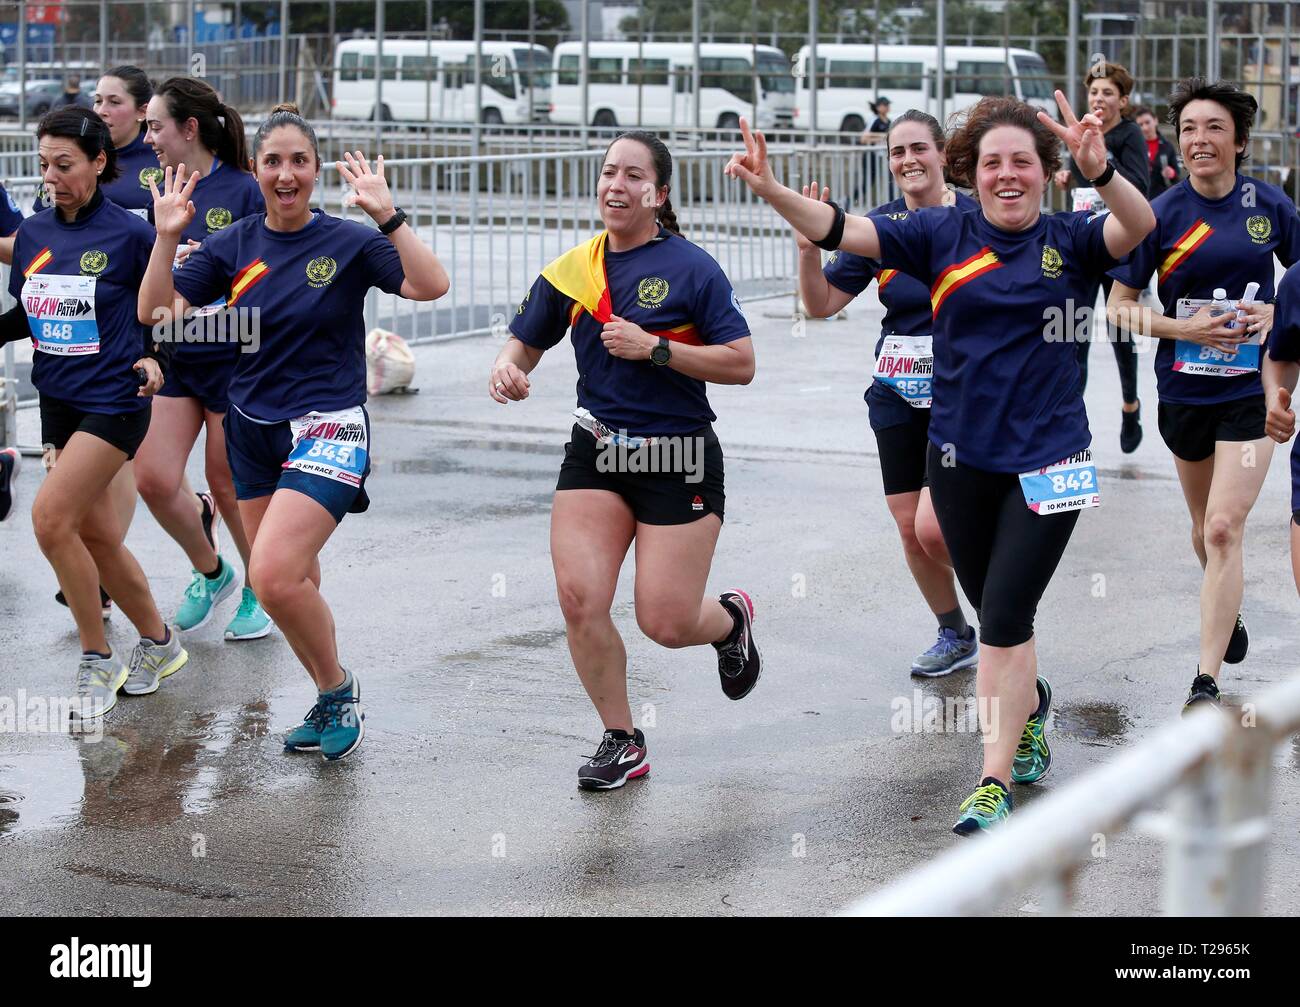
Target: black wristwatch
(661, 354)
(394, 222)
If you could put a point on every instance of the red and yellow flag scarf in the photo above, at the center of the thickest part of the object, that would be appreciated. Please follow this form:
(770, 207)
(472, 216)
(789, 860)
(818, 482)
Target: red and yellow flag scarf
(580, 274)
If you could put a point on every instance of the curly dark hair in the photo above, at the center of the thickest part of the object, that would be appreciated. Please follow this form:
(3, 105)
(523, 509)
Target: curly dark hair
(1241, 105)
(988, 113)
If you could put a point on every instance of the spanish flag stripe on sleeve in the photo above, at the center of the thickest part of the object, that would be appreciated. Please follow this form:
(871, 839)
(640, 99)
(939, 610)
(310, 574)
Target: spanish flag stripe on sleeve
(960, 274)
(42, 260)
(1192, 239)
(246, 278)
(885, 276)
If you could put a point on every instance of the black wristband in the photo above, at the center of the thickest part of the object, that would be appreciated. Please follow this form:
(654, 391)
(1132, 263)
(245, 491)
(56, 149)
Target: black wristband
(394, 222)
(836, 234)
(1105, 176)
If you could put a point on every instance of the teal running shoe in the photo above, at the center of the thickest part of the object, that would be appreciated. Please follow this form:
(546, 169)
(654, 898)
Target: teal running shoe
(342, 722)
(306, 736)
(990, 804)
(251, 621)
(1033, 757)
(203, 596)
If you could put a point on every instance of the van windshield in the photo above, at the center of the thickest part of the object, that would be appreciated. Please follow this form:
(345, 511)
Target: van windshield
(1035, 78)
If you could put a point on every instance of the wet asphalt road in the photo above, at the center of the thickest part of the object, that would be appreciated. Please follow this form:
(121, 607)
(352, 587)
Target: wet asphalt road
(462, 799)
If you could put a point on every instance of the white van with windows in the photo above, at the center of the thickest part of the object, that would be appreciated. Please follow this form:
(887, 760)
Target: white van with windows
(650, 84)
(850, 80)
(432, 81)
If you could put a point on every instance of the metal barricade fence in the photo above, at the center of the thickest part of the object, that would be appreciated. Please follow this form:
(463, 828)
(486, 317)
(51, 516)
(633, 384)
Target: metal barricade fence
(495, 221)
(1213, 767)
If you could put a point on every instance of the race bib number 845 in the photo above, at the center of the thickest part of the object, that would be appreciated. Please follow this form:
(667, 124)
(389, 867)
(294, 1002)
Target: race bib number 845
(331, 445)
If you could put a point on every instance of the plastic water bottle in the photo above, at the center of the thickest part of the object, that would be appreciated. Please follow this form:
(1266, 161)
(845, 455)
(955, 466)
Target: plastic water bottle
(1220, 305)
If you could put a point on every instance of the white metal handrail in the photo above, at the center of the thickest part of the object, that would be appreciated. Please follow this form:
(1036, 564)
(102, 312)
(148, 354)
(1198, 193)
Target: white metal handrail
(1214, 767)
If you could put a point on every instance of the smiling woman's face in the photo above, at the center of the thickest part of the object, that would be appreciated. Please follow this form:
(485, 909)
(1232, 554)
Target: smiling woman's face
(1207, 139)
(1009, 178)
(626, 193)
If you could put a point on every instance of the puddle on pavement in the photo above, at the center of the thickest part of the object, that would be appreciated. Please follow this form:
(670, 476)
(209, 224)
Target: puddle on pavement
(1091, 723)
(146, 772)
(537, 638)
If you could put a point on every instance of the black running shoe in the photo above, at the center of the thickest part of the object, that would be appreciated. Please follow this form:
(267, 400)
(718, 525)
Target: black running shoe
(620, 757)
(739, 660)
(105, 602)
(1238, 644)
(1130, 431)
(1204, 690)
(10, 464)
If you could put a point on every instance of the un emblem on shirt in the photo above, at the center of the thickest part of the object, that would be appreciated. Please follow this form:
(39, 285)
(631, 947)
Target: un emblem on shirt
(147, 173)
(1052, 262)
(1259, 228)
(93, 262)
(217, 218)
(321, 270)
(651, 291)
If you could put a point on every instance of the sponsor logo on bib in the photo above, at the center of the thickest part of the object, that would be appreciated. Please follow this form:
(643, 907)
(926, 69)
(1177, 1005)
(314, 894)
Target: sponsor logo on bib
(1052, 264)
(93, 262)
(321, 270)
(651, 291)
(1259, 228)
(217, 218)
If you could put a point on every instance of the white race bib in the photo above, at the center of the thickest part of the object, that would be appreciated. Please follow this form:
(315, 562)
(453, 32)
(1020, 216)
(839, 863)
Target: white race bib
(331, 445)
(61, 314)
(1194, 358)
(906, 366)
(1070, 484)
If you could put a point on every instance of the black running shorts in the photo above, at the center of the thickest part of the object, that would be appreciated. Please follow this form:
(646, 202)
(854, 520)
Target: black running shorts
(677, 480)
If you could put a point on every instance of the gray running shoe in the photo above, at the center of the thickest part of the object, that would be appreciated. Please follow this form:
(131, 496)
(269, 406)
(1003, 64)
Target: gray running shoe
(152, 662)
(98, 679)
(950, 653)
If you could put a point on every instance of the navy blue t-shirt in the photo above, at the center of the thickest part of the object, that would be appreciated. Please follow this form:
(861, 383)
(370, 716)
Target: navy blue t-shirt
(1199, 244)
(907, 311)
(664, 284)
(1284, 339)
(1006, 375)
(82, 359)
(10, 215)
(130, 190)
(221, 197)
(309, 289)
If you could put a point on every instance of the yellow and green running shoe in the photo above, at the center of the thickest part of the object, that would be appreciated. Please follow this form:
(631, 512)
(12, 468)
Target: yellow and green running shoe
(990, 804)
(1033, 757)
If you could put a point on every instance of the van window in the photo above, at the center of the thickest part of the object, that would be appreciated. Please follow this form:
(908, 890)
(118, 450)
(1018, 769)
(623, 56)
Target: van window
(368, 66)
(730, 73)
(350, 66)
(419, 68)
(896, 76)
(647, 71)
(605, 70)
(975, 77)
(850, 73)
(568, 72)
(1035, 80)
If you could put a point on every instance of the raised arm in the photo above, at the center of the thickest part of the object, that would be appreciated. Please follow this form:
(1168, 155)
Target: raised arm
(810, 217)
(821, 298)
(172, 212)
(425, 277)
(1130, 218)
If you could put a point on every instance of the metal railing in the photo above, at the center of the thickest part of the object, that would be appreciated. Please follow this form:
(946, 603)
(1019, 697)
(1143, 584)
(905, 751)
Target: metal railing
(495, 221)
(1214, 767)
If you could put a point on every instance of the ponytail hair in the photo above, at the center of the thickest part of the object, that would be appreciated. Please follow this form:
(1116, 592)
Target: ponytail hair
(663, 162)
(221, 130)
(286, 114)
(87, 130)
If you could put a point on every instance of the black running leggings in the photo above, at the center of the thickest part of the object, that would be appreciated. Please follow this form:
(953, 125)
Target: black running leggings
(1003, 553)
(1120, 341)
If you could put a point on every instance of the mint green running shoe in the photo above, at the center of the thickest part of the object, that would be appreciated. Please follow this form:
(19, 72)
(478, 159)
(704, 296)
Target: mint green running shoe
(990, 804)
(251, 621)
(203, 596)
(1033, 757)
